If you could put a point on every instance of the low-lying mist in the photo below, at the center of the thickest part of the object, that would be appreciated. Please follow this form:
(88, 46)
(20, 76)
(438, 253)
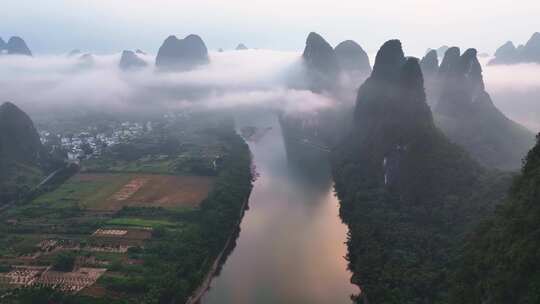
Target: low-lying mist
(515, 90)
(252, 78)
(235, 79)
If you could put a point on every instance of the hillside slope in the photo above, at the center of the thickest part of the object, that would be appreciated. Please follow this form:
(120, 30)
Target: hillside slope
(407, 193)
(21, 153)
(501, 262)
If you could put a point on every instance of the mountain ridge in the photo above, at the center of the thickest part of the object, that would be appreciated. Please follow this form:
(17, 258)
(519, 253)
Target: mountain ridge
(407, 193)
(182, 54)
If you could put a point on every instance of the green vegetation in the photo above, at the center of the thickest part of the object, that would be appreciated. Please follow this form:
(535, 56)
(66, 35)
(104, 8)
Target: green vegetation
(468, 116)
(14, 244)
(83, 192)
(194, 150)
(24, 162)
(177, 264)
(140, 222)
(64, 261)
(145, 164)
(407, 193)
(184, 241)
(500, 261)
(45, 295)
(18, 179)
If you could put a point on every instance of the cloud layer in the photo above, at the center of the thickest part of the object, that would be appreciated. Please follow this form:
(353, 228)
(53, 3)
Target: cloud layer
(253, 78)
(246, 79)
(515, 90)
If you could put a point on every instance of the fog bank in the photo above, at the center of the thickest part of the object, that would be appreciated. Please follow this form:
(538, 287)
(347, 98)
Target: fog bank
(252, 78)
(515, 90)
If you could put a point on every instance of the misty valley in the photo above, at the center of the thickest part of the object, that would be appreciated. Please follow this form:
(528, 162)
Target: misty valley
(257, 175)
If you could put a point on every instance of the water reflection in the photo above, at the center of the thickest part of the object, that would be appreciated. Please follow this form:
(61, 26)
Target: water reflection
(291, 245)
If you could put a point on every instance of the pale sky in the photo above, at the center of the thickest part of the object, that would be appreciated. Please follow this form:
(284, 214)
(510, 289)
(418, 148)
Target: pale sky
(105, 26)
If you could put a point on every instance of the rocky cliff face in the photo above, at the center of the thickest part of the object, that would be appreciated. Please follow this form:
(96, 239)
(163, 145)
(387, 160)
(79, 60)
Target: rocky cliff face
(442, 50)
(430, 64)
(468, 116)
(352, 57)
(528, 53)
(17, 46)
(449, 62)
(130, 60)
(396, 167)
(391, 102)
(319, 54)
(321, 63)
(182, 54)
(430, 68)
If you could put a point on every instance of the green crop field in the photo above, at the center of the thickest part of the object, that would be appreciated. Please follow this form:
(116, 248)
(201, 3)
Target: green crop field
(84, 190)
(139, 222)
(146, 164)
(159, 181)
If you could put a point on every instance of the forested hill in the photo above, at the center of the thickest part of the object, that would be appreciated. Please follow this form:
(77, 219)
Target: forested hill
(501, 262)
(467, 115)
(407, 193)
(19, 140)
(22, 157)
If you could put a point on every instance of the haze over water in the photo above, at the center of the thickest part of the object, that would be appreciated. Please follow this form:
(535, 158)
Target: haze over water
(291, 246)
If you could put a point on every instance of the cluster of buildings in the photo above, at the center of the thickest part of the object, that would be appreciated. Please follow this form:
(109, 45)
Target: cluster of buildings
(91, 141)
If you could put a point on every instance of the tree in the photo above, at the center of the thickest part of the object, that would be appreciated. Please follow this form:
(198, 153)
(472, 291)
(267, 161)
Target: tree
(65, 261)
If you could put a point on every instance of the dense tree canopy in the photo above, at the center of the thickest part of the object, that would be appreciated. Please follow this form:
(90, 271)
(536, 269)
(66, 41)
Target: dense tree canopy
(501, 262)
(407, 193)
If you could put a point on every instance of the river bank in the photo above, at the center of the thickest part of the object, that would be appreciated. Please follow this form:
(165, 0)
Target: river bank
(292, 243)
(205, 285)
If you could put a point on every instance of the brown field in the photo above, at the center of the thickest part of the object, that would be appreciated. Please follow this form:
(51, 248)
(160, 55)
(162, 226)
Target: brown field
(129, 189)
(165, 191)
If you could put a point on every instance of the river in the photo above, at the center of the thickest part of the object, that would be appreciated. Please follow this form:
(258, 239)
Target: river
(291, 245)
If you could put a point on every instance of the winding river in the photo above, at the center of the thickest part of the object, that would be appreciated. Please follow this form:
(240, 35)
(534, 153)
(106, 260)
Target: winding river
(291, 246)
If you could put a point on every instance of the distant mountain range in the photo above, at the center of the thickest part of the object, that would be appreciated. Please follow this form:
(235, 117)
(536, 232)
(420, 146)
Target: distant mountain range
(352, 57)
(131, 60)
(242, 47)
(321, 62)
(14, 46)
(508, 53)
(467, 115)
(182, 54)
(324, 64)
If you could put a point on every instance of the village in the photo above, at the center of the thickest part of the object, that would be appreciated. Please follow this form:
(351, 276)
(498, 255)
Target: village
(136, 194)
(90, 141)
